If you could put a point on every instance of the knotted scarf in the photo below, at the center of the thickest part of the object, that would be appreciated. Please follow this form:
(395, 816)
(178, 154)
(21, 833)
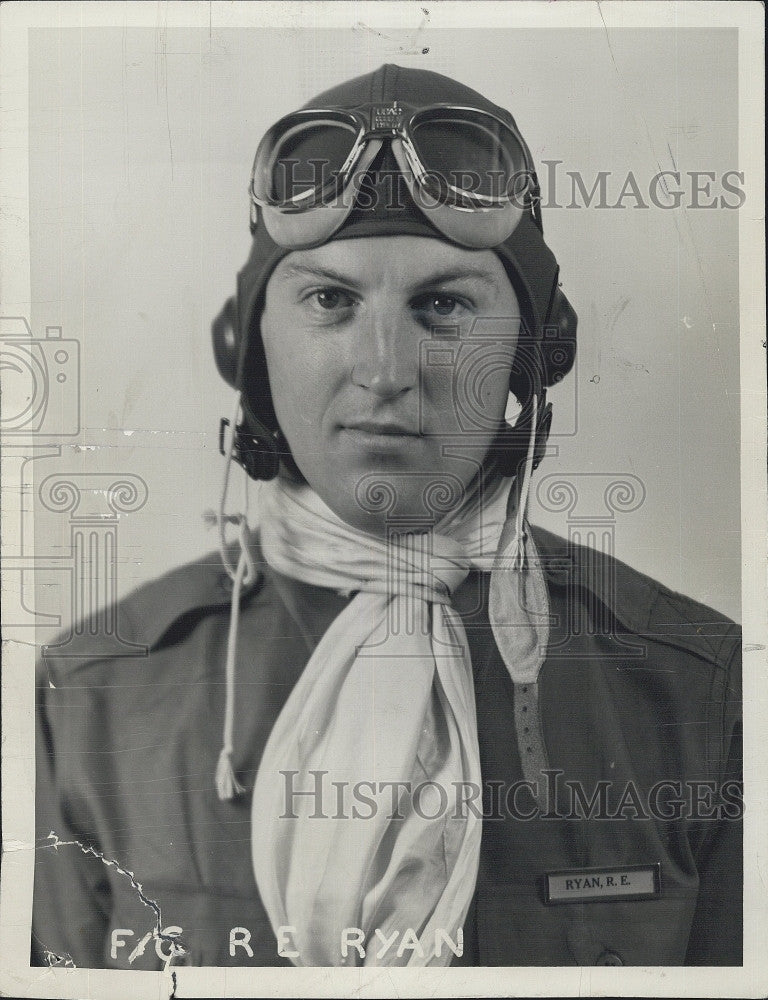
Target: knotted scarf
(366, 821)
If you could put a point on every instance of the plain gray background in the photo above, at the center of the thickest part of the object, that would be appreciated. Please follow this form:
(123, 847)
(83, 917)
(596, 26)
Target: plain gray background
(141, 143)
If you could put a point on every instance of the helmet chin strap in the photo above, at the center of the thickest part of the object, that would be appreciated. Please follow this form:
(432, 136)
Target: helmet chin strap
(521, 512)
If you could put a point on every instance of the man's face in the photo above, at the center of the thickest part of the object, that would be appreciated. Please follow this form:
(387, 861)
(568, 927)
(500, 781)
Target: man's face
(389, 363)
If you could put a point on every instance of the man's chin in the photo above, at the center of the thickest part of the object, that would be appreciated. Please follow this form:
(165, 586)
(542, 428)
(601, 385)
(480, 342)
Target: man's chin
(386, 498)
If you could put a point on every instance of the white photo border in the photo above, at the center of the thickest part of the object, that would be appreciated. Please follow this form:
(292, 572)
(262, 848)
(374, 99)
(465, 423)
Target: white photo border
(16, 977)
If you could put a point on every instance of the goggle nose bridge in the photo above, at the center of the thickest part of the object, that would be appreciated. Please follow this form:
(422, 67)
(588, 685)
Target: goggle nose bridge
(386, 120)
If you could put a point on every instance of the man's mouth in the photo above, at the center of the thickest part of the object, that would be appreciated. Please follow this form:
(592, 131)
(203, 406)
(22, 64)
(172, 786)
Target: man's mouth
(376, 429)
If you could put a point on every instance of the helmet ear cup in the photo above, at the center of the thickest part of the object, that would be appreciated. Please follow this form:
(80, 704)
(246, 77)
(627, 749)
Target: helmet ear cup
(225, 331)
(259, 445)
(539, 362)
(558, 342)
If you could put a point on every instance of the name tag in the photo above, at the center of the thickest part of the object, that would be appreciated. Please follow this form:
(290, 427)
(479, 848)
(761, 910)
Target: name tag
(588, 885)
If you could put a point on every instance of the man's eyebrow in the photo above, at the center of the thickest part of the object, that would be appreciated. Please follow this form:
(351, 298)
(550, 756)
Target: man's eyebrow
(323, 273)
(431, 281)
(457, 274)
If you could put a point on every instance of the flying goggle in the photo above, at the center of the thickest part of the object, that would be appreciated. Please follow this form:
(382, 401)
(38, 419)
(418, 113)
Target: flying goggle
(468, 171)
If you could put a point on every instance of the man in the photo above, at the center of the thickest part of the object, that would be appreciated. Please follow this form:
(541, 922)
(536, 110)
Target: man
(431, 753)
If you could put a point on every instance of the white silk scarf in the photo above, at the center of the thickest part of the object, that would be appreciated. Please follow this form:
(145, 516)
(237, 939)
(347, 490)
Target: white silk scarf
(381, 731)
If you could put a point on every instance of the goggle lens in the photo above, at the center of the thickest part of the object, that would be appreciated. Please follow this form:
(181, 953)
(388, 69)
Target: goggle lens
(303, 160)
(470, 152)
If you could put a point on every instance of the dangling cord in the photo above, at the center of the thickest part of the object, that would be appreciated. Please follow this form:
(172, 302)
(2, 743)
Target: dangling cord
(227, 785)
(522, 500)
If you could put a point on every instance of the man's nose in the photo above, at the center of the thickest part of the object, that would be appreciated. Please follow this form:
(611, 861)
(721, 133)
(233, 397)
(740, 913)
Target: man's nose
(386, 356)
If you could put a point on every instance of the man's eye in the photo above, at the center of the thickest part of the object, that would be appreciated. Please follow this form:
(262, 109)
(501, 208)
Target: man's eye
(332, 298)
(441, 305)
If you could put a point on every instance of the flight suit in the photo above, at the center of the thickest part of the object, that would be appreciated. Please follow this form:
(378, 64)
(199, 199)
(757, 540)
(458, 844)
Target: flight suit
(640, 705)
